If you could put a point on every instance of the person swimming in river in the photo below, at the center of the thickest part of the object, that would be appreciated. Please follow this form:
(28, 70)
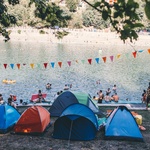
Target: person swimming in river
(48, 86)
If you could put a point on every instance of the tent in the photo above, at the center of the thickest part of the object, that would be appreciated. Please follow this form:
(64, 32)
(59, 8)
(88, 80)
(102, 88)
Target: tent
(122, 125)
(33, 120)
(8, 117)
(67, 98)
(77, 122)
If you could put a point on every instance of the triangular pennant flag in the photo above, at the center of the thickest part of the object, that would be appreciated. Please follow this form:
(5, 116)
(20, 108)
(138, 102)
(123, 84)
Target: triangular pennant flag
(60, 64)
(12, 66)
(32, 66)
(38, 65)
(52, 64)
(45, 65)
(140, 51)
(118, 56)
(149, 51)
(104, 59)
(112, 58)
(90, 61)
(127, 55)
(18, 65)
(69, 63)
(5, 66)
(97, 60)
(83, 61)
(76, 61)
(134, 54)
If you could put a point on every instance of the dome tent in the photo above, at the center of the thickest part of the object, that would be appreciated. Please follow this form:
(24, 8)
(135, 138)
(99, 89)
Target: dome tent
(34, 120)
(77, 122)
(8, 118)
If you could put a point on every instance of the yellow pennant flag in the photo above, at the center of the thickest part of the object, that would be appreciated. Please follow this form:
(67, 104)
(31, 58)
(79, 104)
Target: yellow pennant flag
(118, 56)
(32, 66)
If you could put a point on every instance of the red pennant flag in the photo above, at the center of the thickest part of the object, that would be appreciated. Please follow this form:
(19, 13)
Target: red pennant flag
(18, 65)
(5, 66)
(149, 51)
(90, 61)
(104, 59)
(134, 54)
(112, 58)
(69, 63)
(60, 64)
(45, 65)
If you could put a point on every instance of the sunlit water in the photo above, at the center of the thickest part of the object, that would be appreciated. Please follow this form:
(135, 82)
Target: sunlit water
(131, 75)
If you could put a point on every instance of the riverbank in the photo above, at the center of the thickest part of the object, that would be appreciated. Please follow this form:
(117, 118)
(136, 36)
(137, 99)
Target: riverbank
(80, 36)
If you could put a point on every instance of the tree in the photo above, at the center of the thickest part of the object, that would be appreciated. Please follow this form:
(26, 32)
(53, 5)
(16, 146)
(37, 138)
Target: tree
(122, 14)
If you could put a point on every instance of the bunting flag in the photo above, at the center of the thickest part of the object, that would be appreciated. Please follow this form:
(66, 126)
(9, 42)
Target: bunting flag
(45, 65)
(97, 60)
(149, 51)
(104, 59)
(38, 65)
(32, 66)
(52, 64)
(118, 56)
(12, 66)
(127, 55)
(90, 61)
(140, 51)
(5, 66)
(60, 64)
(112, 58)
(134, 54)
(83, 61)
(18, 65)
(69, 63)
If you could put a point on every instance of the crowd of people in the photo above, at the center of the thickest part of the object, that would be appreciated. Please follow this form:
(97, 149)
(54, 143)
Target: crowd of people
(108, 96)
(146, 96)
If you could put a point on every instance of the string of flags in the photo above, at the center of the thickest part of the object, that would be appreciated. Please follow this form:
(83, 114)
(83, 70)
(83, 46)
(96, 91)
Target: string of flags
(90, 60)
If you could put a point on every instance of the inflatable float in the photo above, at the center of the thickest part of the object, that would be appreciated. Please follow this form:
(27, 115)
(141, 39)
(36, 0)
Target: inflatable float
(9, 81)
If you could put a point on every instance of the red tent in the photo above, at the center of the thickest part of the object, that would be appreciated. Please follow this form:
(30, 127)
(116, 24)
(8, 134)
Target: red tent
(33, 120)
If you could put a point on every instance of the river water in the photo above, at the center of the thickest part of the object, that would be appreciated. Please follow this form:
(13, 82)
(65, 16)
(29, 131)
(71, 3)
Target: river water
(131, 75)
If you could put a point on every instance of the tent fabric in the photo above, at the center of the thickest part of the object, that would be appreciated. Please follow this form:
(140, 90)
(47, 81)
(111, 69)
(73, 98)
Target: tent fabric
(77, 122)
(67, 98)
(122, 125)
(8, 118)
(34, 120)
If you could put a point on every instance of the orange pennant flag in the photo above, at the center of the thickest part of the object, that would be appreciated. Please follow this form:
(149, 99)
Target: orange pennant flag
(5, 66)
(90, 61)
(149, 51)
(134, 54)
(45, 65)
(18, 65)
(32, 66)
(118, 56)
(104, 59)
(60, 64)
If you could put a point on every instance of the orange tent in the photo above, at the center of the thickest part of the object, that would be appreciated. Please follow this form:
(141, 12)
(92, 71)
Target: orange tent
(33, 120)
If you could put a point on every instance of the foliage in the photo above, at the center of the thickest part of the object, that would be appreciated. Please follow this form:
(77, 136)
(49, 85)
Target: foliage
(60, 34)
(72, 5)
(124, 16)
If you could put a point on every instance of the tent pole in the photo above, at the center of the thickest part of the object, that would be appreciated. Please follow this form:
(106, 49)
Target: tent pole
(70, 133)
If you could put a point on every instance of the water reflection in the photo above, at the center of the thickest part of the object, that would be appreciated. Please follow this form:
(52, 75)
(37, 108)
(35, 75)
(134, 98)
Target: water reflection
(131, 75)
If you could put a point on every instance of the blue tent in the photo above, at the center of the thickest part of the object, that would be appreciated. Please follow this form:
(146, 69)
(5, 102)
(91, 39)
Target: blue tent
(8, 117)
(67, 98)
(122, 125)
(77, 122)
